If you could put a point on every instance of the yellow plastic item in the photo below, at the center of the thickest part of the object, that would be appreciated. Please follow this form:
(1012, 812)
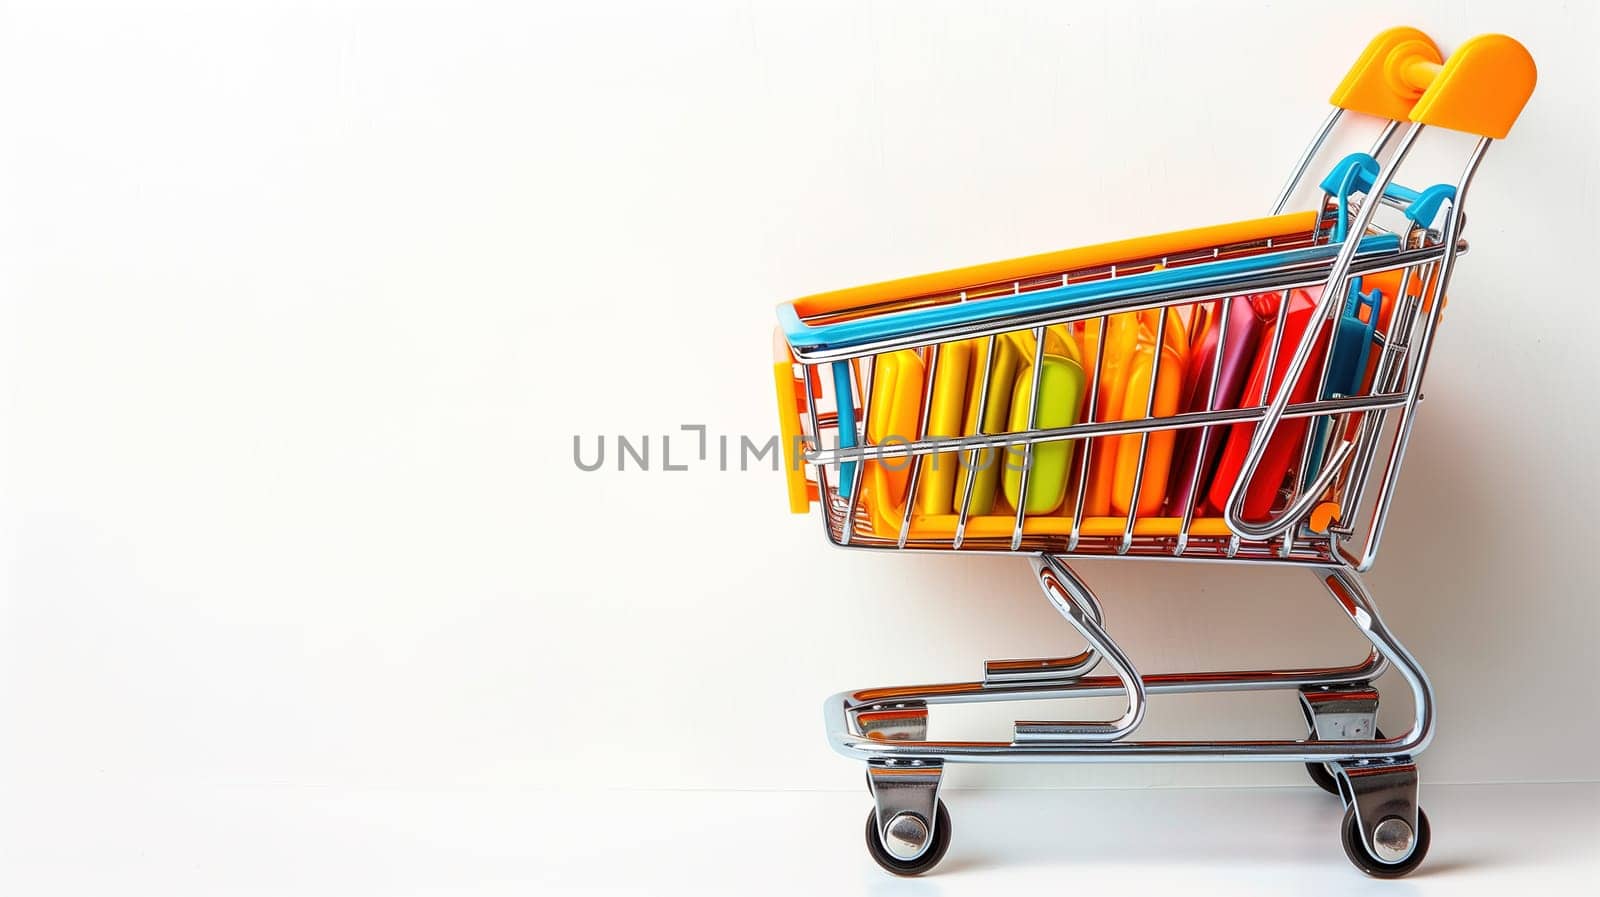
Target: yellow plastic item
(794, 474)
(1481, 89)
(1058, 341)
(986, 473)
(1379, 84)
(864, 298)
(894, 415)
(936, 489)
(1061, 385)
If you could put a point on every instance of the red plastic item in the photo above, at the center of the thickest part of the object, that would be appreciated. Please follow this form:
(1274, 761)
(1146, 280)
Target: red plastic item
(1284, 447)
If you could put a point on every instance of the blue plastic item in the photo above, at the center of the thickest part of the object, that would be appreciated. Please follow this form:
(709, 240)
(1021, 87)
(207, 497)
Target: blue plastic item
(1352, 343)
(847, 423)
(918, 322)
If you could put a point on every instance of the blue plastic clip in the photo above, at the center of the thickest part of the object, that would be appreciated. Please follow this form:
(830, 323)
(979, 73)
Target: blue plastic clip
(1358, 172)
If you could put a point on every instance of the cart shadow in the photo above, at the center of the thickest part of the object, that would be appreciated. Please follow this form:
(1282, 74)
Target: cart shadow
(1157, 827)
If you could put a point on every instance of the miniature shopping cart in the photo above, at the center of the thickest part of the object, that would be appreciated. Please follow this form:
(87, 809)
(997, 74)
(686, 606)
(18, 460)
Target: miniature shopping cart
(895, 398)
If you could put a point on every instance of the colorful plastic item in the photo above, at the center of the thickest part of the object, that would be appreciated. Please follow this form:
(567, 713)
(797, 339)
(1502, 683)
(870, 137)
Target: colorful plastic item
(985, 463)
(1283, 448)
(946, 417)
(1061, 385)
(845, 404)
(1124, 390)
(1242, 338)
(894, 416)
(1347, 368)
(794, 474)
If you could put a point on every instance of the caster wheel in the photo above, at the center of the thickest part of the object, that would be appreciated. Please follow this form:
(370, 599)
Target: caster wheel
(1350, 836)
(1326, 780)
(917, 865)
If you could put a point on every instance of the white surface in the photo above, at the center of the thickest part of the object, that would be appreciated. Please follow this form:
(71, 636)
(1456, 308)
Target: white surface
(1489, 840)
(303, 305)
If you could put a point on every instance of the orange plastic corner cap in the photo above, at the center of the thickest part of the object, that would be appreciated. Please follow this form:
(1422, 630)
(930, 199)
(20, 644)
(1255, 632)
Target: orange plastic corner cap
(1378, 84)
(1481, 89)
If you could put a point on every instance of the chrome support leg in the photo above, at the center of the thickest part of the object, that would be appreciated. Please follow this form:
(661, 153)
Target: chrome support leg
(1353, 597)
(1046, 671)
(1073, 600)
(1037, 743)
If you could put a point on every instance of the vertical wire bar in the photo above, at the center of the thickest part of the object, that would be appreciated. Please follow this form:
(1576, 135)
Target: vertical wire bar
(1266, 381)
(1335, 315)
(856, 467)
(1424, 345)
(1385, 378)
(808, 374)
(1225, 306)
(1383, 138)
(1329, 424)
(972, 463)
(1304, 162)
(1407, 416)
(1337, 277)
(1302, 478)
(1144, 438)
(1277, 343)
(1027, 445)
(1088, 444)
(845, 412)
(922, 431)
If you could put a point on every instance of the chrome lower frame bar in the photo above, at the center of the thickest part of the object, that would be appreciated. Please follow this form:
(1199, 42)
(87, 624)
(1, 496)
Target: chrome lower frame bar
(850, 716)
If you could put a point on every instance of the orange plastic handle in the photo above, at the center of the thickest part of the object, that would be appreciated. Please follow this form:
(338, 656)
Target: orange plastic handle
(1481, 89)
(1383, 82)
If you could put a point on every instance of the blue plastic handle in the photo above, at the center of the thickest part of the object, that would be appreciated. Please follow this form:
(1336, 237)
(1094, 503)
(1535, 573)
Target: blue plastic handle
(847, 423)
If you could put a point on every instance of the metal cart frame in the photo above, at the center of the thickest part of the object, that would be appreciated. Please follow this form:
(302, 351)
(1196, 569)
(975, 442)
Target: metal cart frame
(1314, 526)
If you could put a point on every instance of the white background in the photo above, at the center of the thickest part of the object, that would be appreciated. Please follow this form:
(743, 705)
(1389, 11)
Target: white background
(304, 304)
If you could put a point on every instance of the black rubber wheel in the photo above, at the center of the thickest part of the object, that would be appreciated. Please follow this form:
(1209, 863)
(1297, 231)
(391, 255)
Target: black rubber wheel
(929, 858)
(1350, 836)
(1325, 780)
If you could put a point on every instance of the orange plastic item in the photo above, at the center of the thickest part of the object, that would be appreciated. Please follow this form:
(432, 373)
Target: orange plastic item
(1323, 516)
(894, 418)
(937, 488)
(1123, 391)
(1139, 248)
(794, 474)
(990, 526)
(1481, 89)
(1377, 84)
